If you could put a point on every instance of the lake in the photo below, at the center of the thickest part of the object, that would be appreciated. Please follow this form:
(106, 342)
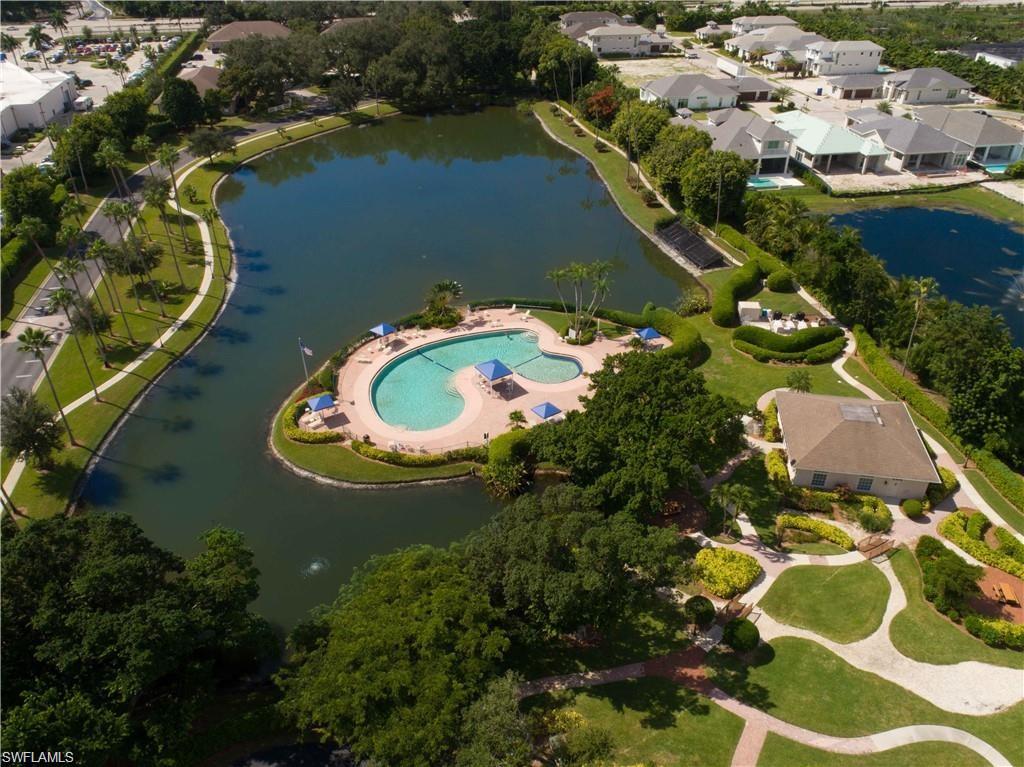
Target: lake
(334, 235)
(976, 260)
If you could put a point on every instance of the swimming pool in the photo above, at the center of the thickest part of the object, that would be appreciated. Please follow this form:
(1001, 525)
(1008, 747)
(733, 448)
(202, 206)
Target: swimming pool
(416, 391)
(761, 183)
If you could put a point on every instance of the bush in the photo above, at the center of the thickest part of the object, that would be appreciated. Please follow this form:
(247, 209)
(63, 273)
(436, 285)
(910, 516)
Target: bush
(1015, 169)
(938, 492)
(325, 378)
(913, 507)
(1009, 545)
(977, 524)
(290, 419)
(649, 197)
(822, 529)
(775, 465)
(397, 458)
(874, 516)
(948, 580)
(772, 432)
(692, 302)
(476, 454)
(741, 635)
(954, 528)
(726, 573)
(13, 254)
(664, 221)
(800, 341)
(506, 479)
(586, 746)
(159, 128)
(699, 611)
(744, 282)
(996, 632)
(816, 356)
(172, 61)
(511, 446)
(782, 281)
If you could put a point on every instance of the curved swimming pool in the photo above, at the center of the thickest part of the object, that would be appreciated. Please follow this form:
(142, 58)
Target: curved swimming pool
(416, 391)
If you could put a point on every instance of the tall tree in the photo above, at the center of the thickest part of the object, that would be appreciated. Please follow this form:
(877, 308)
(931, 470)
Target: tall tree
(168, 157)
(37, 38)
(37, 342)
(206, 142)
(63, 299)
(156, 192)
(10, 44)
(713, 185)
(182, 103)
(923, 289)
(27, 428)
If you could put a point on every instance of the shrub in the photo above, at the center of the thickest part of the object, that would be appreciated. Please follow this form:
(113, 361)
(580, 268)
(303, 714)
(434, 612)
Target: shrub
(699, 611)
(12, 256)
(954, 528)
(744, 282)
(816, 356)
(476, 454)
(741, 635)
(692, 302)
(290, 422)
(996, 632)
(977, 524)
(396, 458)
(648, 196)
(1015, 169)
(775, 465)
(913, 507)
(764, 259)
(938, 492)
(511, 446)
(1009, 545)
(587, 745)
(818, 527)
(726, 573)
(506, 479)
(600, 146)
(325, 378)
(948, 580)
(781, 281)
(874, 516)
(686, 339)
(800, 341)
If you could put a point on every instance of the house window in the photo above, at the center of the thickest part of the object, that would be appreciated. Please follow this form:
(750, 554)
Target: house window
(951, 94)
(818, 479)
(772, 144)
(864, 484)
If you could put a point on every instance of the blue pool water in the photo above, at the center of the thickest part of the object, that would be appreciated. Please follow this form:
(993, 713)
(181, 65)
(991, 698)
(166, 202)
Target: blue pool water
(761, 183)
(416, 391)
(996, 168)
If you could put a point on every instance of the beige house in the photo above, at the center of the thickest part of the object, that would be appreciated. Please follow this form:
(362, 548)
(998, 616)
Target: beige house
(925, 85)
(694, 92)
(239, 30)
(843, 57)
(867, 445)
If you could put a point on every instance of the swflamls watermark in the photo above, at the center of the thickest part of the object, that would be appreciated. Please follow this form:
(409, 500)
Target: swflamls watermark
(37, 757)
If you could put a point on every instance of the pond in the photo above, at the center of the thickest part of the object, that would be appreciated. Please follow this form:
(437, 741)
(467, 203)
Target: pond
(335, 235)
(976, 259)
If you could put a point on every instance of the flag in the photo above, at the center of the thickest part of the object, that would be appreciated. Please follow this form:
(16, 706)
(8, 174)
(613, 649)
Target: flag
(305, 349)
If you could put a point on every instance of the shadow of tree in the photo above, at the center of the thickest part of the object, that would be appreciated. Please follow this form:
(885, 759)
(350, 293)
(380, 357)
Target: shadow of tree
(658, 700)
(59, 478)
(731, 672)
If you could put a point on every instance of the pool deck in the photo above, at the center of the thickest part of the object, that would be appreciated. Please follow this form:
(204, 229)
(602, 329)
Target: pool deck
(484, 412)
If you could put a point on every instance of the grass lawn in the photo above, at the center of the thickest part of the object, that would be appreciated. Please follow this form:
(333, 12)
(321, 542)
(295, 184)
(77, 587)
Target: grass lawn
(844, 604)
(820, 548)
(788, 303)
(801, 682)
(782, 752)
(767, 501)
(729, 372)
(921, 633)
(656, 722)
(560, 323)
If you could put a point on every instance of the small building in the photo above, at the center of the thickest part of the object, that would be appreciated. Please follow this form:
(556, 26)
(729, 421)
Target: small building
(751, 88)
(31, 100)
(855, 87)
(991, 141)
(843, 57)
(749, 311)
(913, 146)
(239, 30)
(823, 147)
(712, 30)
(869, 446)
(925, 85)
(751, 137)
(204, 78)
(694, 92)
(623, 40)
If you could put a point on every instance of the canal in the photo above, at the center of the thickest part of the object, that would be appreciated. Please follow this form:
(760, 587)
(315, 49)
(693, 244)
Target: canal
(334, 235)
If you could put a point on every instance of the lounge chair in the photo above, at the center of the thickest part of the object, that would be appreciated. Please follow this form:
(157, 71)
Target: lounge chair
(526, 314)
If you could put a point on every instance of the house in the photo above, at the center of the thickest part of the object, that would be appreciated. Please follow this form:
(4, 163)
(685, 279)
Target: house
(843, 57)
(593, 18)
(778, 39)
(711, 30)
(204, 78)
(691, 91)
(855, 87)
(31, 100)
(743, 25)
(822, 147)
(925, 85)
(913, 146)
(239, 30)
(623, 40)
(751, 88)
(1004, 55)
(348, 21)
(751, 137)
(868, 446)
(991, 141)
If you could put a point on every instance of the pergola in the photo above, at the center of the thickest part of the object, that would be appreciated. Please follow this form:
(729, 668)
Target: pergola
(494, 371)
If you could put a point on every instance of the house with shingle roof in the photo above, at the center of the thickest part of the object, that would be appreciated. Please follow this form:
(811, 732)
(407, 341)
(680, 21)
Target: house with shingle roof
(742, 25)
(751, 137)
(822, 146)
(913, 146)
(869, 446)
(855, 86)
(991, 140)
(925, 85)
(239, 30)
(695, 92)
(843, 57)
(770, 45)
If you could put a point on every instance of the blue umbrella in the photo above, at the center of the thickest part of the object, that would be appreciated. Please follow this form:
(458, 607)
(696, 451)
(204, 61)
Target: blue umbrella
(492, 370)
(648, 334)
(320, 402)
(382, 330)
(545, 410)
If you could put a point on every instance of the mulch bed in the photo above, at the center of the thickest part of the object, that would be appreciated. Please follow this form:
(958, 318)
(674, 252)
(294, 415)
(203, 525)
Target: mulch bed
(987, 604)
(683, 512)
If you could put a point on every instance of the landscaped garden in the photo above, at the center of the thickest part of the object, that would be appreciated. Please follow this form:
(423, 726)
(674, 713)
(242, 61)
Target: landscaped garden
(782, 752)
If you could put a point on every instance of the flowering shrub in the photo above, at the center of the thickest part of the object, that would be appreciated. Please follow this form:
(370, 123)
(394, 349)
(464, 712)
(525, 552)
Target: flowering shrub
(726, 573)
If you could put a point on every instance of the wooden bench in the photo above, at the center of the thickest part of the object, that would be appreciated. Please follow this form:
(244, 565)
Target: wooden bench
(1009, 595)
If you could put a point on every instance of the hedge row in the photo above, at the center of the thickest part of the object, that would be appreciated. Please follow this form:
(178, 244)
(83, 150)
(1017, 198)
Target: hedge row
(939, 492)
(173, 61)
(769, 264)
(996, 632)
(816, 356)
(775, 466)
(726, 573)
(1009, 545)
(772, 431)
(816, 526)
(800, 341)
(396, 458)
(744, 282)
(511, 446)
(293, 432)
(954, 528)
(977, 524)
(1009, 484)
(12, 255)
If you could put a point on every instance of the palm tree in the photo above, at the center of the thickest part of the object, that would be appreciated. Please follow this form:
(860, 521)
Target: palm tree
(733, 497)
(110, 156)
(167, 156)
(155, 193)
(782, 93)
(556, 276)
(37, 38)
(64, 299)
(442, 294)
(118, 68)
(211, 216)
(70, 266)
(10, 44)
(516, 419)
(788, 63)
(58, 20)
(36, 342)
(922, 290)
(144, 146)
(884, 106)
(101, 251)
(118, 212)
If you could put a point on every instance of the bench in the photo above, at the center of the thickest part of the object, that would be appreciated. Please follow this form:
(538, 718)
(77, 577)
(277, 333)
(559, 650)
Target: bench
(1009, 596)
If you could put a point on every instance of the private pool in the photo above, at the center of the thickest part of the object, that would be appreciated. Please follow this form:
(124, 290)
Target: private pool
(761, 183)
(415, 391)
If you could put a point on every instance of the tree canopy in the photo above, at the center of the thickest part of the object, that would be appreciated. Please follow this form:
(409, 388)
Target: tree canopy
(181, 103)
(713, 184)
(637, 126)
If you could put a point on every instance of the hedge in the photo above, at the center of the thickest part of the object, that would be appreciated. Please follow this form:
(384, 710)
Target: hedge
(12, 255)
(977, 524)
(1008, 483)
(1009, 545)
(938, 492)
(800, 341)
(769, 264)
(816, 356)
(741, 635)
(782, 281)
(172, 61)
(996, 632)
(874, 516)
(772, 432)
(954, 528)
(511, 446)
(775, 465)
(816, 526)
(293, 432)
(726, 573)
(744, 282)
(397, 458)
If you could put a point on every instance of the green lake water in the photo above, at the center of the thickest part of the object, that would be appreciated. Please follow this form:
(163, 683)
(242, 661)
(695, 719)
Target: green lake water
(335, 235)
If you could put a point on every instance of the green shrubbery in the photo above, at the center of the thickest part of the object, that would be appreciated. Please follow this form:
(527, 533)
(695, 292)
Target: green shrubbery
(686, 339)
(977, 524)
(948, 580)
(699, 611)
(741, 635)
(938, 492)
(874, 516)
(996, 632)
(782, 281)
(954, 528)
(913, 507)
(811, 345)
(1009, 545)
(775, 465)
(820, 528)
(290, 421)
(744, 282)
(396, 458)
(726, 573)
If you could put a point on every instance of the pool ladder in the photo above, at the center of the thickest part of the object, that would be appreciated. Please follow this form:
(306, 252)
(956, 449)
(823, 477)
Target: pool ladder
(449, 387)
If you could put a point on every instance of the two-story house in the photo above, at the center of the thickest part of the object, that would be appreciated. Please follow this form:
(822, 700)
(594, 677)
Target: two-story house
(991, 141)
(842, 57)
(751, 137)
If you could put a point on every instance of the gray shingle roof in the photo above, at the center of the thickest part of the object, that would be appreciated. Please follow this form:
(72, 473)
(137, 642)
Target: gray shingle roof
(970, 127)
(857, 81)
(676, 87)
(908, 136)
(926, 77)
(239, 29)
(734, 130)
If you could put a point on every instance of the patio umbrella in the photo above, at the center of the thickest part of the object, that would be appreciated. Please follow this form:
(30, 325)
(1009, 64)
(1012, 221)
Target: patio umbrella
(545, 410)
(320, 402)
(382, 330)
(648, 334)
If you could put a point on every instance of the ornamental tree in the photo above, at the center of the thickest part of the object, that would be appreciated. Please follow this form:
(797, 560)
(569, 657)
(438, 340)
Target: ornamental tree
(713, 184)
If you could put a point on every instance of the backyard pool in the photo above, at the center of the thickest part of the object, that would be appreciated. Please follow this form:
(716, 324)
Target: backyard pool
(416, 391)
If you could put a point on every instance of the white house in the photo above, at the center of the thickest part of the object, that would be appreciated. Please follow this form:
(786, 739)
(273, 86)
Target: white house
(624, 40)
(742, 25)
(824, 147)
(31, 100)
(712, 30)
(778, 39)
(991, 141)
(695, 92)
(925, 85)
(913, 146)
(868, 446)
(751, 137)
(842, 57)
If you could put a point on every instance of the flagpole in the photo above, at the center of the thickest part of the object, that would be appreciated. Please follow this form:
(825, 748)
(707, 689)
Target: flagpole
(302, 354)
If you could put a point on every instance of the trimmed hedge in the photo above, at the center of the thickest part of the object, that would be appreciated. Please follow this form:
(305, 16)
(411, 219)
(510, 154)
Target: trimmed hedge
(954, 528)
(772, 432)
(511, 446)
(782, 281)
(12, 255)
(173, 61)
(800, 341)
(938, 492)
(769, 264)
(726, 573)
(996, 632)
(816, 356)
(913, 507)
(818, 527)
(977, 524)
(1008, 483)
(744, 282)
(1009, 545)
(741, 635)
(775, 465)
(293, 432)
(396, 458)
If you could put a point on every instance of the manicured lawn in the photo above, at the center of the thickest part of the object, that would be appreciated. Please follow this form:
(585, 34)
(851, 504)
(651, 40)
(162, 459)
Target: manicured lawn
(844, 604)
(23, 292)
(560, 323)
(788, 303)
(782, 752)
(752, 475)
(821, 548)
(920, 632)
(654, 721)
(801, 682)
(729, 372)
